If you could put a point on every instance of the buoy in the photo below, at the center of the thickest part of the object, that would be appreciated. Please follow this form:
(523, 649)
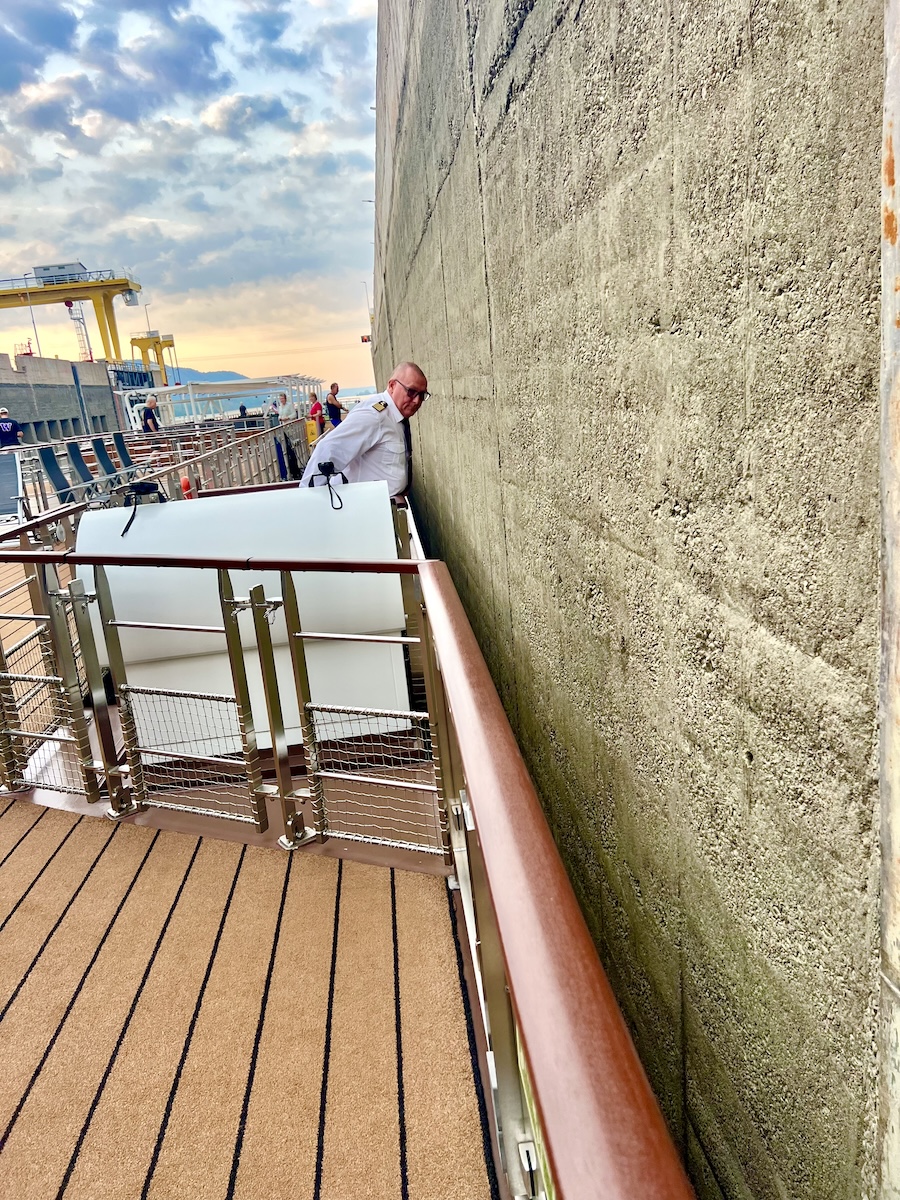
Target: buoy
(186, 489)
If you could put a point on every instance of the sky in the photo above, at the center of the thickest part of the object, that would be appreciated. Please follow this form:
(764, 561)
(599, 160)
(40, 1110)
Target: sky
(222, 152)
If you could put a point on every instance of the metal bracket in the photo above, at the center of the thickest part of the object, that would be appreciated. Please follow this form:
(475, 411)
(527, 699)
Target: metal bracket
(292, 840)
(124, 805)
(530, 1169)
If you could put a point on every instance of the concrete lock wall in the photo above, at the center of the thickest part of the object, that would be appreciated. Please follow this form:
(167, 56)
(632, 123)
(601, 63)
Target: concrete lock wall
(40, 394)
(636, 249)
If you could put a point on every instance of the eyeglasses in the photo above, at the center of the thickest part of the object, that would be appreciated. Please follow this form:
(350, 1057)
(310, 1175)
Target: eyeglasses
(413, 393)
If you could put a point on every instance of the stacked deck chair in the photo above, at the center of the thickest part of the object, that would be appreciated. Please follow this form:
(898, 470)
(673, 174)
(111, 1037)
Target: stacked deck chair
(129, 466)
(110, 471)
(95, 486)
(66, 492)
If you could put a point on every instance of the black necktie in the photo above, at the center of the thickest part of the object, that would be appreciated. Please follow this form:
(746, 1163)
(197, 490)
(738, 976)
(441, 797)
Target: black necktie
(407, 437)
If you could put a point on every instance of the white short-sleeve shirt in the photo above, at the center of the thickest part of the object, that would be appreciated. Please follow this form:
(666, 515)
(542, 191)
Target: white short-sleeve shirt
(369, 444)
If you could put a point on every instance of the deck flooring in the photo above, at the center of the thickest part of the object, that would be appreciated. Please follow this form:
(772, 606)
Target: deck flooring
(187, 1017)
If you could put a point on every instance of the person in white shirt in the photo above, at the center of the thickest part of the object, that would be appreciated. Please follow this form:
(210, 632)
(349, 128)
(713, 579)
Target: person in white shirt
(287, 409)
(373, 442)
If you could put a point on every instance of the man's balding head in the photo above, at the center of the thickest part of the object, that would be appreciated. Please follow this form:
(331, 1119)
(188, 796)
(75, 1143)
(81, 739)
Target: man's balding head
(408, 388)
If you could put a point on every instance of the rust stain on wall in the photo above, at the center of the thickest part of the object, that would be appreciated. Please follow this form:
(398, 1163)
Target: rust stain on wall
(889, 160)
(890, 225)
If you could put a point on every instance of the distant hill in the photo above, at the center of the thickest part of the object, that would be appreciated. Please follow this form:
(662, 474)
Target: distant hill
(189, 375)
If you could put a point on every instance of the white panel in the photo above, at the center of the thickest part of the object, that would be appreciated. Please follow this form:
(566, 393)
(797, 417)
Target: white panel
(290, 524)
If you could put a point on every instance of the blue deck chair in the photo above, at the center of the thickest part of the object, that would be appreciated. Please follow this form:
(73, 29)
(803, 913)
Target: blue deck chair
(129, 466)
(113, 475)
(65, 491)
(94, 486)
(11, 498)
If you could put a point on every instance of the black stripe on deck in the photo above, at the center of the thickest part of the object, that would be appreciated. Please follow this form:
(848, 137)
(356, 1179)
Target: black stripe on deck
(4, 1137)
(326, 1057)
(14, 908)
(8, 807)
(59, 920)
(486, 1145)
(401, 1098)
(127, 1022)
(167, 1115)
(11, 852)
(254, 1057)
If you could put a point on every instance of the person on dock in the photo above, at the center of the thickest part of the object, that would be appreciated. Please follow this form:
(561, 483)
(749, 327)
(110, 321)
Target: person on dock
(11, 432)
(316, 413)
(149, 419)
(334, 406)
(373, 442)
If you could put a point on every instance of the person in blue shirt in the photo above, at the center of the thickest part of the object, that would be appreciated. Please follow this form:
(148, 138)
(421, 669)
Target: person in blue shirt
(11, 432)
(334, 406)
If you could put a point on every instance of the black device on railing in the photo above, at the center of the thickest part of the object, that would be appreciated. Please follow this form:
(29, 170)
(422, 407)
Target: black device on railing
(327, 471)
(137, 492)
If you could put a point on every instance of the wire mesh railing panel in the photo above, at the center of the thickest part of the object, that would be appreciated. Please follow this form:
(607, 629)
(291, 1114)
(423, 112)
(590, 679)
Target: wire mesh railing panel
(376, 768)
(185, 752)
(39, 699)
(53, 762)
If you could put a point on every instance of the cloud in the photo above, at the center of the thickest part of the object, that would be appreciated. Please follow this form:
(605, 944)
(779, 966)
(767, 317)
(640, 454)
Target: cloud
(19, 62)
(265, 22)
(196, 202)
(263, 25)
(181, 59)
(43, 23)
(45, 173)
(109, 12)
(124, 193)
(239, 115)
(134, 80)
(349, 43)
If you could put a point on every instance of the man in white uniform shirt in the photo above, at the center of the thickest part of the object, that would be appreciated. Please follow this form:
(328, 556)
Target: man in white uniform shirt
(372, 442)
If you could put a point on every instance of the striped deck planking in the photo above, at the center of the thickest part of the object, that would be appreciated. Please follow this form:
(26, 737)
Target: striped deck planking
(189, 1017)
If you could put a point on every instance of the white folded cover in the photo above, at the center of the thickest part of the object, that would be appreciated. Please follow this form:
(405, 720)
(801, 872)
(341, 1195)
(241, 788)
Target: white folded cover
(287, 524)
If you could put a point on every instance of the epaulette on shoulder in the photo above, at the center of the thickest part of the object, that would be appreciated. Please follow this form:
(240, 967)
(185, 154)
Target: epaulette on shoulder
(380, 406)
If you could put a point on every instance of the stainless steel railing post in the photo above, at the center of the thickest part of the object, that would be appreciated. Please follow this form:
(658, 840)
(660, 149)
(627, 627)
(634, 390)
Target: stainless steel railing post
(230, 612)
(93, 675)
(304, 699)
(294, 831)
(130, 795)
(508, 1101)
(412, 606)
(64, 652)
(438, 727)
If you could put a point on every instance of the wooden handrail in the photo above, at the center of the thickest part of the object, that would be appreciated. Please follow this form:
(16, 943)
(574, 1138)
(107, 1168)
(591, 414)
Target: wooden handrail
(603, 1130)
(338, 566)
(249, 487)
(48, 517)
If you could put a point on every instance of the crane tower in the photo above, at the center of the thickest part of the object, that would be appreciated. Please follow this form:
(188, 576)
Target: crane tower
(76, 312)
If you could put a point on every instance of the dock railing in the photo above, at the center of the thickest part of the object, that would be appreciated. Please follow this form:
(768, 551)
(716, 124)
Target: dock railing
(571, 1110)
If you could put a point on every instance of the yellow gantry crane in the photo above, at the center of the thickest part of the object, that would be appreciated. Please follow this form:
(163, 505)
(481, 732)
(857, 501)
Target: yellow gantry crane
(157, 342)
(55, 284)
